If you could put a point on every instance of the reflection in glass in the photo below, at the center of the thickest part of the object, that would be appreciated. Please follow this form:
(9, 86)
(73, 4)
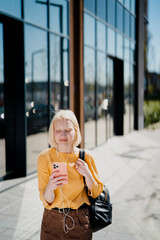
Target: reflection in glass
(101, 36)
(2, 109)
(12, 7)
(101, 97)
(90, 5)
(59, 72)
(119, 46)
(111, 42)
(110, 115)
(89, 30)
(102, 9)
(133, 5)
(127, 3)
(131, 101)
(36, 93)
(59, 16)
(132, 52)
(36, 12)
(126, 22)
(119, 19)
(126, 98)
(89, 97)
(126, 49)
(111, 12)
(133, 27)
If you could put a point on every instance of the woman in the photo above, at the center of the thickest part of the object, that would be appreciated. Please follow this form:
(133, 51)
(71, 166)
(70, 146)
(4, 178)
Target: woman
(66, 214)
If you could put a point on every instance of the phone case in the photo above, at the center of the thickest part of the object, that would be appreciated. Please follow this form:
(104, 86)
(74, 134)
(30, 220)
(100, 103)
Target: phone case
(62, 167)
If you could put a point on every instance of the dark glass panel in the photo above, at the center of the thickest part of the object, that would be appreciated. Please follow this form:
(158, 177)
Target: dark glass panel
(2, 109)
(102, 9)
(89, 97)
(119, 17)
(35, 11)
(89, 30)
(119, 46)
(133, 27)
(101, 36)
(59, 72)
(101, 98)
(131, 101)
(36, 93)
(111, 42)
(111, 12)
(126, 23)
(59, 16)
(126, 98)
(12, 7)
(90, 5)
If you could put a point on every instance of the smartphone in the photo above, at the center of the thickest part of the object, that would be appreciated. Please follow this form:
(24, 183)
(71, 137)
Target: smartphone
(62, 170)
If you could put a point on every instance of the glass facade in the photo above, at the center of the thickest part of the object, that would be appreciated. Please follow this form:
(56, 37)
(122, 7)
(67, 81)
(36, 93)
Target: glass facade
(109, 33)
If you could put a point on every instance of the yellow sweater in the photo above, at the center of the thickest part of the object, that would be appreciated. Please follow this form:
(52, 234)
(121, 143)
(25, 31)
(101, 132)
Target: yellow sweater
(74, 194)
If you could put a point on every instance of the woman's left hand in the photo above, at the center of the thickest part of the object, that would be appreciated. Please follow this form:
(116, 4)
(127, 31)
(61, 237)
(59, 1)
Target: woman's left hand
(82, 167)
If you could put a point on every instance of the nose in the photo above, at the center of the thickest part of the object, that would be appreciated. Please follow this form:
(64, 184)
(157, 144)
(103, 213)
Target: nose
(63, 133)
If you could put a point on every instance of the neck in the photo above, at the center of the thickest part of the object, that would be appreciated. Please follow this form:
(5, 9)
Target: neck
(65, 149)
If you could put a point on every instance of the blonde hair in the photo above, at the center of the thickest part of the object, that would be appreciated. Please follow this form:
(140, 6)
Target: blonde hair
(68, 115)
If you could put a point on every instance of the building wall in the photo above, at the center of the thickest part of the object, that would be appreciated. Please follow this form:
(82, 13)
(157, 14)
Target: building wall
(70, 55)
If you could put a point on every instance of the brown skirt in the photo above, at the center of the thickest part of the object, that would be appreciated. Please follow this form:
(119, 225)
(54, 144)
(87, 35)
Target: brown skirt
(57, 226)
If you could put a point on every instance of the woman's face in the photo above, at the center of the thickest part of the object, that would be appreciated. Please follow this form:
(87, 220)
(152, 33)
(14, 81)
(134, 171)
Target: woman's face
(64, 132)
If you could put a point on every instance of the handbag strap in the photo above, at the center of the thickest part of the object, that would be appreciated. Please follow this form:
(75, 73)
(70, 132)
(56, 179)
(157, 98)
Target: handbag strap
(82, 156)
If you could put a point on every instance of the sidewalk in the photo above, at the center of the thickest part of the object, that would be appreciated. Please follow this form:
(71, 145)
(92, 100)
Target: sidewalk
(128, 165)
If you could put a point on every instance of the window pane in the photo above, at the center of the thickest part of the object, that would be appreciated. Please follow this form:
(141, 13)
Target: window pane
(127, 3)
(59, 72)
(36, 93)
(102, 9)
(90, 5)
(132, 52)
(36, 12)
(101, 36)
(119, 46)
(2, 109)
(59, 16)
(119, 17)
(111, 12)
(133, 6)
(111, 42)
(12, 7)
(126, 23)
(89, 97)
(89, 30)
(133, 27)
(101, 98)
(131, 102)
(126, 49)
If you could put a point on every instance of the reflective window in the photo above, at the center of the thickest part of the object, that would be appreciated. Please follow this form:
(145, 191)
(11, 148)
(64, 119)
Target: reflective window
(121, 1)
(59, 16)
(102, 9)
(127, 3)
(111, 12)
(133, 27)
(119, 46)
(90, 5)
(89, 30)
(89, 97)
(119, 17)
(126, 98)
(36, 93)
(101, 98)
(111, 42)
(101, 36)
(126, 23)
(36, 12)
(2, 109)
(131, 102)
(132, 52)
(12, 7)
(126, 49)
(59, 72)
(133, 6)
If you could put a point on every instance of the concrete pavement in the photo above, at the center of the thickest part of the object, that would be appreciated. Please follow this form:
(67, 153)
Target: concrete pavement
(128, 165)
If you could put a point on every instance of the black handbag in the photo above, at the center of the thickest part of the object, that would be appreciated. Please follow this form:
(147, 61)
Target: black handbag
(100, 208)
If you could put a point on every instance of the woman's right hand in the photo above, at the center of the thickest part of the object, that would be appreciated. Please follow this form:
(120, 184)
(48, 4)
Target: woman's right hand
(53, 183)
